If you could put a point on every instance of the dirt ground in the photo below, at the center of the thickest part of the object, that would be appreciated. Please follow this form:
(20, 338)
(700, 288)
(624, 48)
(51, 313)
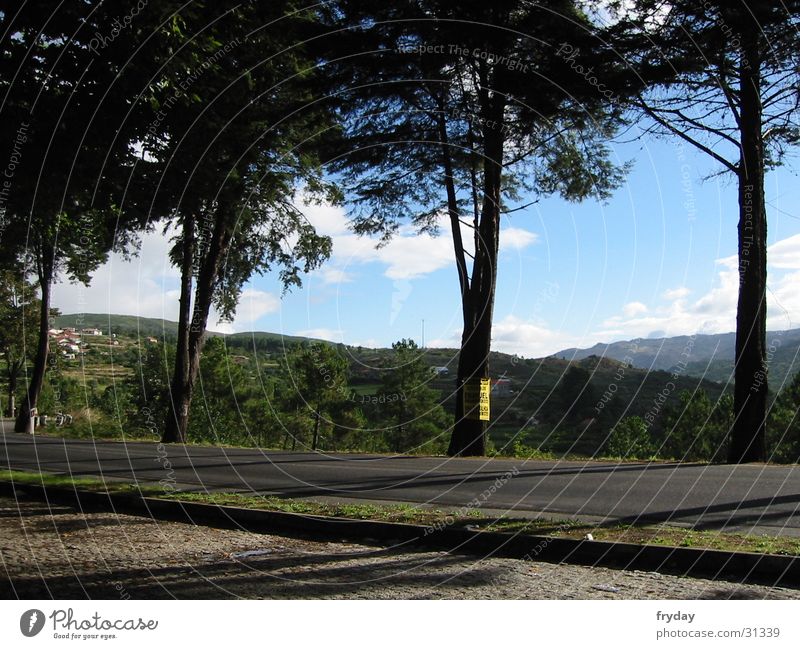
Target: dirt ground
(57, 552)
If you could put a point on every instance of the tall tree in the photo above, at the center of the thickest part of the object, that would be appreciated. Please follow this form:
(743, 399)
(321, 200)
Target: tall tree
(415, 418)
(317, 374)
(19, 317)
(61, 146)
(235, 140)
(738, 103)
(457, 111)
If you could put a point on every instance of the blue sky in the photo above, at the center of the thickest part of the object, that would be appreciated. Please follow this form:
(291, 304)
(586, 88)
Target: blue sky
(656, 259)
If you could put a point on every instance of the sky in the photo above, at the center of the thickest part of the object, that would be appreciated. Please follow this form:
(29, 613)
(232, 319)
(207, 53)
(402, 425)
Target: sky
(657, 259)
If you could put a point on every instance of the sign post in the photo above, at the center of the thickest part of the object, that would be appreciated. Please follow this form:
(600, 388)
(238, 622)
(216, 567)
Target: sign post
(476, 399)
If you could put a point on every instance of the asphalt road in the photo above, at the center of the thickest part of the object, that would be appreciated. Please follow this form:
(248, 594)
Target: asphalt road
(752, 498)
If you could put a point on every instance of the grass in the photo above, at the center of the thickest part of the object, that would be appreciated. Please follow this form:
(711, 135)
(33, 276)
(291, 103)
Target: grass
(68, 481)
(641, 534)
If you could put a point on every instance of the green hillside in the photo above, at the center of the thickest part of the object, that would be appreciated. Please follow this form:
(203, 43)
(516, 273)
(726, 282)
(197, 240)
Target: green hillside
(132, 326)
(554, 404)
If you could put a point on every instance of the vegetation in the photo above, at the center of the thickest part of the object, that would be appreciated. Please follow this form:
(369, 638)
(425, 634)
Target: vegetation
(738, 106)
(457, 134)
(218, 124)
(252, 153)
(259, 391)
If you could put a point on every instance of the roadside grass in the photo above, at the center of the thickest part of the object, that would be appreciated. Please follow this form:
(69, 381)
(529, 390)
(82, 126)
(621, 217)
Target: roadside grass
(68, 481)
(641, 534)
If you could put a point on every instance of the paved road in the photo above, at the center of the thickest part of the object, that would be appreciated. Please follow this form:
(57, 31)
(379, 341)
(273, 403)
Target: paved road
(746, 498)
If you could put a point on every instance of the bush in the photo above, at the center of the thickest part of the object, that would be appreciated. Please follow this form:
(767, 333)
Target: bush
(630, 439)
(698, 429)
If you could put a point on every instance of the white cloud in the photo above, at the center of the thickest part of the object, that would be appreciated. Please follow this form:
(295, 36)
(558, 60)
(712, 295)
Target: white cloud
(333, 335)
(327, 219)
(675, 293)
(785, 254)
(334, 276)
(715, 311)
(147, 286)
(253, 304)
(408, 255)
(513, 335)
(144, 286)
(516, 336)
(517, 238)
(632, 309)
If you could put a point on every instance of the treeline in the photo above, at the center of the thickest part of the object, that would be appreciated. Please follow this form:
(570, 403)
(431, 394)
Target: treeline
(305, 403)
(660, 422)
(216, 125)
(698, 429)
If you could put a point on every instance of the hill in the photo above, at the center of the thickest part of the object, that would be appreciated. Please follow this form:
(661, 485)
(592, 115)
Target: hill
(131, 325)
(556, 404)
(706, 356)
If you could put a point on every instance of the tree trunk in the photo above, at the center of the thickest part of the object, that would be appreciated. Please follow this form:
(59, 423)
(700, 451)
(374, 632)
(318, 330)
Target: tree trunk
(315, 437)
(469, 433)
(204, 294)
(13, 370)
(40, 363)
(750, 391)
(177, 416)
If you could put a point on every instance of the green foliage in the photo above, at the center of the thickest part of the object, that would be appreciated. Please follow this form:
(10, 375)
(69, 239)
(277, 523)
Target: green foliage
(630, 439)
(697, 428)
(147, 392)
(783, 426)
(216, 413)
(317, 376)
(575, 395)
(522, 450)
(19, 323)
(408, 407)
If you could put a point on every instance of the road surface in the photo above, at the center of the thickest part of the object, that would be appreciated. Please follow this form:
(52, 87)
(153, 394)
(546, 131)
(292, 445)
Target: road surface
(751, 498)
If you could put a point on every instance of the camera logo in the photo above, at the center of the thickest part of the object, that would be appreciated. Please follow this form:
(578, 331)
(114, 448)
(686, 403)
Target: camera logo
(31, 622)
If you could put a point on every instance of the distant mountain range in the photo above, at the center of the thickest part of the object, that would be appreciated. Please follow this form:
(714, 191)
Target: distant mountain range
(706, 356)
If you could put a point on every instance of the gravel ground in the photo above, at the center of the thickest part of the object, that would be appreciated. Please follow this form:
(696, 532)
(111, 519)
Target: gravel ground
(60, 553)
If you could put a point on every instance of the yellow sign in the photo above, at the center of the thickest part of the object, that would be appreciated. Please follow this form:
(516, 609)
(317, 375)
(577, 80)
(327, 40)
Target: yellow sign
(476, 399)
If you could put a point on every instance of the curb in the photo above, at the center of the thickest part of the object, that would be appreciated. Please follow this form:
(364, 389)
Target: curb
(741, 567)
